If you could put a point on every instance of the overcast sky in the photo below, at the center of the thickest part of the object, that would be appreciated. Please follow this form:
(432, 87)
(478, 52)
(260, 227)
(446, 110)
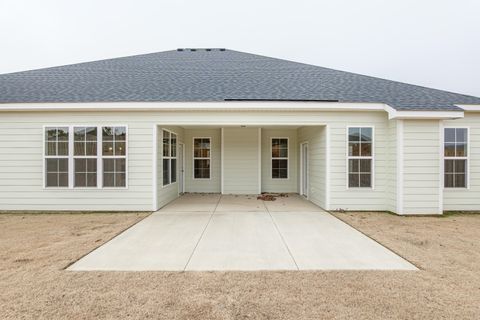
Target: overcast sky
(435, 43)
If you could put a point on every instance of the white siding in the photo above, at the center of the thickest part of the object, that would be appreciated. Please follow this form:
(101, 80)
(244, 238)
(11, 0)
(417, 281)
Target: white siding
(342, 197)
(461, 198)
(203, 185)
(391, 171)
(167, 193)
(279, 185)
(21, 164)
(316, 138)
(241, 161)
(421, 167)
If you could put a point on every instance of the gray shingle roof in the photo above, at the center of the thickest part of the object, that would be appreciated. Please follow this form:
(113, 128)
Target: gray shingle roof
(214, 75)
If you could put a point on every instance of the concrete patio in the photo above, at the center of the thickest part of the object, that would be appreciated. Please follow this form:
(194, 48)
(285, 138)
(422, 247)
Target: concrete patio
(231, 232)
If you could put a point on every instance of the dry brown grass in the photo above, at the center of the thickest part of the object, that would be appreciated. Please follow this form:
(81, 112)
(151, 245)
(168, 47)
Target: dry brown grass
(34, 249)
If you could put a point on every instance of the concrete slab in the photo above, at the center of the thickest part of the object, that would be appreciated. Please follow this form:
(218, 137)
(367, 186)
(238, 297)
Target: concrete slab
(292, 203)
(310, 239)
(241, 241)
(240, 203)
(159, 242)
(319, 241)
(193, 202)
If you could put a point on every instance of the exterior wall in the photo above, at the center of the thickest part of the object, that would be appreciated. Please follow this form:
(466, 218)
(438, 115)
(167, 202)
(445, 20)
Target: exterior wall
(279, 185)
(21, 164)
(165, 194)
(391, 173)
(342, 197)
(241, 160)
(421, 167)
(317, 138)
(461, 198)
(203, 185)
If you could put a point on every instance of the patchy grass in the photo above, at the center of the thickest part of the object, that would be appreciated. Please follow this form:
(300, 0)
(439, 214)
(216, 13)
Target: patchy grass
(34, 249)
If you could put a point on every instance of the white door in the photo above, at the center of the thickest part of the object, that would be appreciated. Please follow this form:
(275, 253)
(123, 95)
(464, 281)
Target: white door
(181, 168)
(304, 169)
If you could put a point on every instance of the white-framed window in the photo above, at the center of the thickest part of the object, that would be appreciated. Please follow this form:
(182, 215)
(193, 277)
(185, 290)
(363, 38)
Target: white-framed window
(201, 158)
(114, 156)
(455, 151)
(279, 158)
(169, 157)
(85, 158)
(360, 157)
(56, 157)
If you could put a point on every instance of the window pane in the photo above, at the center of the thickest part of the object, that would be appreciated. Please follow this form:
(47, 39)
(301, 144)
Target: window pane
(51, 134)
(119, 148)
(91, 165)
(283, 173)
(120, 165)
(80, 180)
(461, 135)
(460, 181)
(354, 134)
(461, 149)
(108, 165)
(91, 134)
(52, 179)
(79, 148)
(354, 149)
(174, 145)
(449, 166)
(63, 148)
(51, 148)
(63, 179)
(449, 180)
(275, 173)
(166, 171)
(108, 179)
(107, 149)
(91, 148)
(80, 165)
(52, 165)
(366, 149)
(166, 143)
(365, 165)
(201, 169)
(449, 135)
(353, 180)
(449, 149)
(91, 179)
(63, 165)
(120, 180)
(79, 134)
(120, 133)
(365, 180)
(62, 134)
(460, 166)
(173, 170)
(366, 134)
(107, 133)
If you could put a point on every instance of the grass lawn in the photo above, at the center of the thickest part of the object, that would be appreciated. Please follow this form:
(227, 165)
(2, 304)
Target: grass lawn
(35, 248)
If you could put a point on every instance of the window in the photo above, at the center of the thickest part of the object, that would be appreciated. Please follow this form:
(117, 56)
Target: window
(360, 157)
(114, 144)
(56, 156)
(85, 156)
(455, 157)
(169, 157)
(201, 158)
(279, 158)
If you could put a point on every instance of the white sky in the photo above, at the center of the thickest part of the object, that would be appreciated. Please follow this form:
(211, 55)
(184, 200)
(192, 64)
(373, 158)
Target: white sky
(434, 43)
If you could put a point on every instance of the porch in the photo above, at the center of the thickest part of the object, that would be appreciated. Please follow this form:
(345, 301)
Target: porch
(239, 232)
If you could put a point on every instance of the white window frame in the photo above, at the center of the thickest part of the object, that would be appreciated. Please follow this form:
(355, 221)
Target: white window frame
(100, 157)
(169, 158)
(201, 158)
(280, 158)
(72, 151)
(45, 157)
(467, 158)
(372, 158)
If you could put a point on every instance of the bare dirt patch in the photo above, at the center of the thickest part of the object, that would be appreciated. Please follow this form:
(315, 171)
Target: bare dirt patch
(34, 249)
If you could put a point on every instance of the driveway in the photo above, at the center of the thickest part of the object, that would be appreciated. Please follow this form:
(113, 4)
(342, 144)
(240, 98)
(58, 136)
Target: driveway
(212, 232)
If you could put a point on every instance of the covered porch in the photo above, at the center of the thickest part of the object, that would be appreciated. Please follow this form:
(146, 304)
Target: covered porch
(240, 160)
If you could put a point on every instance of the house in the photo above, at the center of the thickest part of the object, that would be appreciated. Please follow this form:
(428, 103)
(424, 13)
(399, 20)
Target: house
(134, 133)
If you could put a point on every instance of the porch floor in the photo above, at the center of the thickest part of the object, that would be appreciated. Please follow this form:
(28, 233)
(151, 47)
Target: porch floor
(239, 232)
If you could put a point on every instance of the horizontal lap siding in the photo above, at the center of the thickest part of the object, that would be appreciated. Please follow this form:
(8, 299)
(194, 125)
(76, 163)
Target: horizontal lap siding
(421, 167)
(241, 160)
(467, 199)
(21, 164)
(360, 198)
(316, 138)
(279, 185)
(203, 185)
(165, 194)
